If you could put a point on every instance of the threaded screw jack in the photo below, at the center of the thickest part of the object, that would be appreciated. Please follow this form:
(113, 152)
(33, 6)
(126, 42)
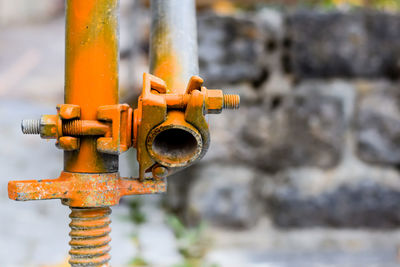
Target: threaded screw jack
(30, 126)
(90, 228)
(231, 101)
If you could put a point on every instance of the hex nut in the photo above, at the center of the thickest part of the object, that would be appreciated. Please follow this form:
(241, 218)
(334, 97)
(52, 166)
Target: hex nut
(214, 101)
(48, 126)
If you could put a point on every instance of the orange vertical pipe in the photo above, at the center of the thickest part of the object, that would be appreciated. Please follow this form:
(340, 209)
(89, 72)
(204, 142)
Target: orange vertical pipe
(91, 74)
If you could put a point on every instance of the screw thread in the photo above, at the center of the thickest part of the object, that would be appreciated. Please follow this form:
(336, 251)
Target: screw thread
(73, 127)
(90, 228)
(30, 126)
(231, 101)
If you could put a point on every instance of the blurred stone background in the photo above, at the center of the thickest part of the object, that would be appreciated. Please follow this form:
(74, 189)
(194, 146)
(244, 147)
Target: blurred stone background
(304, 174)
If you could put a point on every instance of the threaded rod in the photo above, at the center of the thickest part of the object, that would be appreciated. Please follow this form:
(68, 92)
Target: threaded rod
(72, 127)
(90, 236)
(231, 101)
(30, 126)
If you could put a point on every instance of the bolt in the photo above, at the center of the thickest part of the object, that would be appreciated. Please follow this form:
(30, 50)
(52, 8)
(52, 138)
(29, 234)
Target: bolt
(216, 100)
(159, 172)
(48, 124)
(90, 228)
(73, 127)
(231, 101)
(30, 126)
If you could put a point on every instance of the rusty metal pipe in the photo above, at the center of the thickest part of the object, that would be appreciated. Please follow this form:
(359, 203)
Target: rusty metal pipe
(93, 129)
(174, 59)
(91, 81)
(168, 127)
(175, 143)
(91, 74)
(173, 42)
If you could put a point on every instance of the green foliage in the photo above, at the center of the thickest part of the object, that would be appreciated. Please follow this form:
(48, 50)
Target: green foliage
(138, 217)
(193, 244)
(188, 263)
(391, 5)
(138, 262)
(135, 213)
(387, 5)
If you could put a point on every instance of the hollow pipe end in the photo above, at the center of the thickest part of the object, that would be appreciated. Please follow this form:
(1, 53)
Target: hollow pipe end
(174, 145)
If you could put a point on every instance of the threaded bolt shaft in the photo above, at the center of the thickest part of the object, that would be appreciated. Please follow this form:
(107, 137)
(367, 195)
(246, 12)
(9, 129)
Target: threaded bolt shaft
(231, 101)
(90, 236)
(30, 126)
(73, 127)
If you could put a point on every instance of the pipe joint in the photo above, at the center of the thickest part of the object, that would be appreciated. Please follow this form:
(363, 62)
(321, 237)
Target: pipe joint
(170, 129)
(113, 128)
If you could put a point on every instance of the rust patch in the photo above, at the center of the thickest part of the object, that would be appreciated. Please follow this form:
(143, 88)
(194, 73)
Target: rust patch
(84, 190)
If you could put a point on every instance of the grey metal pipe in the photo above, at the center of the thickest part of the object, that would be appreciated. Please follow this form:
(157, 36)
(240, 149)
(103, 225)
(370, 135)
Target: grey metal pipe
(173, 42)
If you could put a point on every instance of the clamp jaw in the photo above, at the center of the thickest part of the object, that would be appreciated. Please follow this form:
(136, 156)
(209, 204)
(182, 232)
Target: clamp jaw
(168, 130)
(113, 127)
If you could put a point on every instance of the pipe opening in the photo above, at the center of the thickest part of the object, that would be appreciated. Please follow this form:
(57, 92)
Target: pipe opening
(175, 145)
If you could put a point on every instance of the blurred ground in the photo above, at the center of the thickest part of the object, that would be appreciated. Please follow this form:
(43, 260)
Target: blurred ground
(36, 233)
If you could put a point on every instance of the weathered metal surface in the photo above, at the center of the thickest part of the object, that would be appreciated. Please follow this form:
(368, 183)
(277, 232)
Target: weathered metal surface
(67, 112)
(174, 59)
(120, 117)
(159, 172)
(83, 189)
(90, 229)
(174, 143)
(173, 42)
(170, 129)
(91, 74)
(113, 128)
(177, 134)
(85, 127)
(151, 112)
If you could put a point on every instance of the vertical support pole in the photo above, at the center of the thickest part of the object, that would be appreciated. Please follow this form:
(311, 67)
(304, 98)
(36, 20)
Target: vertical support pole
(91, 80)
(173, 42)
(91, 74)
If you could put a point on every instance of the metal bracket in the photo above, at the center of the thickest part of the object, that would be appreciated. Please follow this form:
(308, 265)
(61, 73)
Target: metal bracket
(159, 111)
(67, 112)
(83, 189)
(151, 111)
(120, 117)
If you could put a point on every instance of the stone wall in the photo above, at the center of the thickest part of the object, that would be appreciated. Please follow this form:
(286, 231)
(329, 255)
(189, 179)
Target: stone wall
(316, 141)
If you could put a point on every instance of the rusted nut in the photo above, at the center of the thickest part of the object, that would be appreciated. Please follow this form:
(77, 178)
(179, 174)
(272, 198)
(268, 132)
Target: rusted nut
(214, 101)
(69, 111)
(49, 126)
(68, 143)
(159, 172)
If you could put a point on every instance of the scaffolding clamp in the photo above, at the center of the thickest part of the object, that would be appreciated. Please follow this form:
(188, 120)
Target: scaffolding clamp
(170, 129)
